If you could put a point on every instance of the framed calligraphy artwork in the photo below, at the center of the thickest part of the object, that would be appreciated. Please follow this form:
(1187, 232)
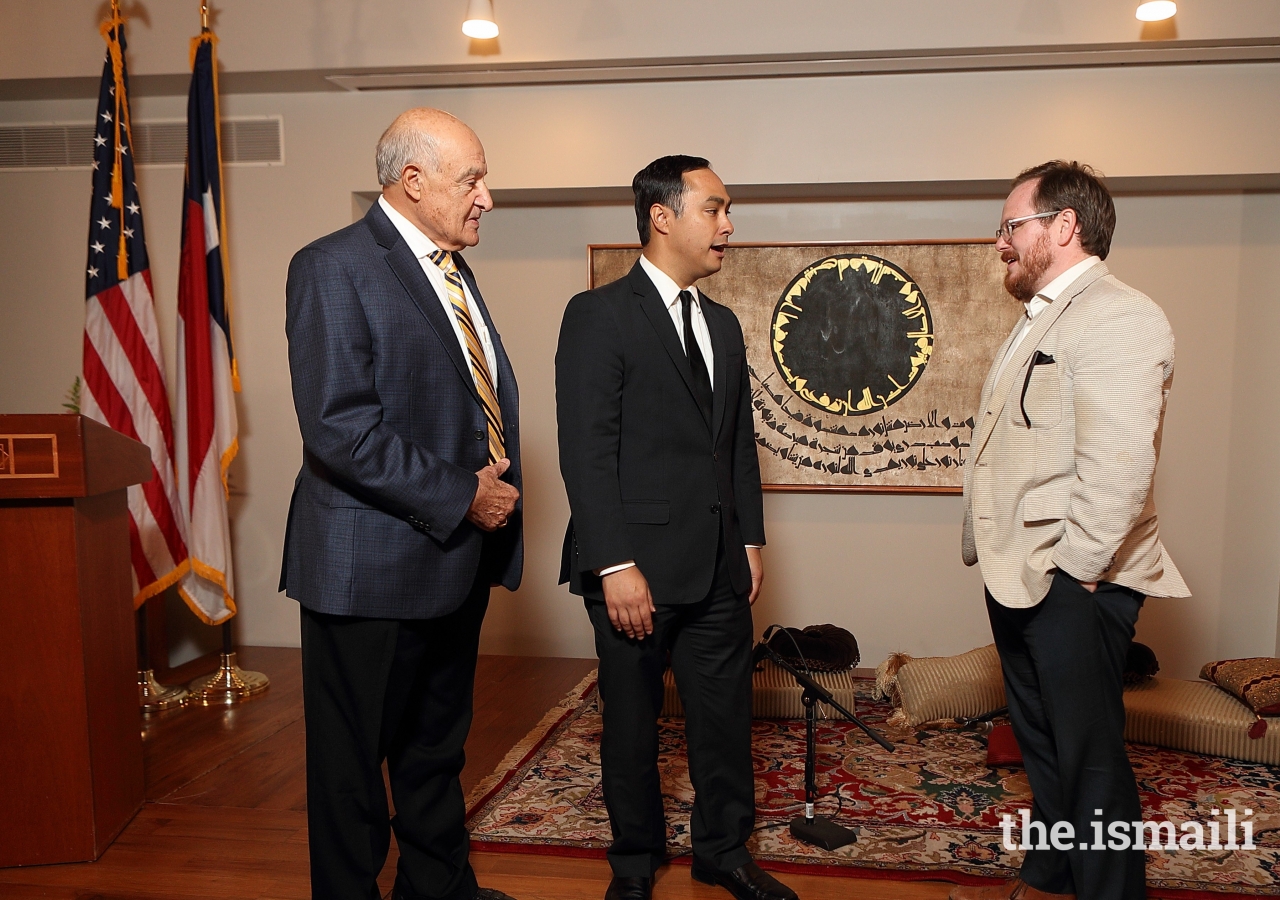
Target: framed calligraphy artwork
(866, 359)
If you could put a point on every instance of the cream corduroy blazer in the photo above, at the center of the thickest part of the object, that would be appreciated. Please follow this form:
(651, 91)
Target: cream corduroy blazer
(1064, 448)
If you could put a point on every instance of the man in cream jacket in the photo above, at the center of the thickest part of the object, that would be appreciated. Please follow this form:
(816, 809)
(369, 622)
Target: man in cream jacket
(1060, 516)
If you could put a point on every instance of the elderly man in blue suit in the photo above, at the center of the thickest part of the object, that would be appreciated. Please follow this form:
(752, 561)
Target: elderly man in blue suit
(405, 512)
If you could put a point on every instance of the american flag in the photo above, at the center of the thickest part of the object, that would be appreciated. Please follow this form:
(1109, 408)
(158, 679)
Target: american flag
(207, 379)
(123, 368)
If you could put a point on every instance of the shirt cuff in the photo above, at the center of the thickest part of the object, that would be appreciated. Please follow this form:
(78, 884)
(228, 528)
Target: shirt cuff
(609, 570)
(753, 546)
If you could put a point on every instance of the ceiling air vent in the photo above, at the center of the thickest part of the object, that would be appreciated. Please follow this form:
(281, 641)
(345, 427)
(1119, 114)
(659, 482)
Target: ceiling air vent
(245, 141)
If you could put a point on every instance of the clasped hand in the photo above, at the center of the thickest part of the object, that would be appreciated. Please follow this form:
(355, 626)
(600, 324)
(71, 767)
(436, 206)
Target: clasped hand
(495, 500)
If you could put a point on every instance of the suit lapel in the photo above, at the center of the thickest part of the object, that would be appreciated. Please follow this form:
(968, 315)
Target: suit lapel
(1000, 391)
(656, 312)
(420, 290)
(720, 352)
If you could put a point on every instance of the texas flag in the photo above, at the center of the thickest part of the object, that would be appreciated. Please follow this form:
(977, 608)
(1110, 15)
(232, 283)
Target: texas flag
(207, 379)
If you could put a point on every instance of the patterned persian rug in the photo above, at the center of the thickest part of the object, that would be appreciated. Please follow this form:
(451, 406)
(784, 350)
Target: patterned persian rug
(932, 809)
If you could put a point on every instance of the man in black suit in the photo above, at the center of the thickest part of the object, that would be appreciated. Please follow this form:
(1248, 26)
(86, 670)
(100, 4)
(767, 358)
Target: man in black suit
(657, 450)
(405, 512)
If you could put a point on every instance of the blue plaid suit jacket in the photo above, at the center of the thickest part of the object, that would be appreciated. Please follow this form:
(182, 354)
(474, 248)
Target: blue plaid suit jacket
(393, 432)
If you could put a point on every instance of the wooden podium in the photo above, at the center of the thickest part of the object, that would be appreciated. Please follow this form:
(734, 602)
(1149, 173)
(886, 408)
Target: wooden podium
(70, 727)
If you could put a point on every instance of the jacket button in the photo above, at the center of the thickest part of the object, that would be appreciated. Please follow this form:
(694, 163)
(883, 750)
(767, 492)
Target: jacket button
(715, 457)
(479, 435)
(715, 507)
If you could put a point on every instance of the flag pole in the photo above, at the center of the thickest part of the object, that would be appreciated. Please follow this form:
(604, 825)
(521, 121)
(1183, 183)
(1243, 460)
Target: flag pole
(124, 381)
(206, 302)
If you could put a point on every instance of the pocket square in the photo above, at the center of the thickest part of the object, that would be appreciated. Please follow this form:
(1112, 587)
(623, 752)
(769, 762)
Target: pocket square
(1039, 358)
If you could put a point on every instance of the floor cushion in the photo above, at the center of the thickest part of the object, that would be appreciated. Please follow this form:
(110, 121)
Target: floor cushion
(1198, 717)
(774, 693)
(949, 687)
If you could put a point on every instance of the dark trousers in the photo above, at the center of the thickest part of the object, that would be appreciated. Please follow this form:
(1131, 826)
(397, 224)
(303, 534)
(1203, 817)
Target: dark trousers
(400, 691)
(1063, 663)
(710, 645)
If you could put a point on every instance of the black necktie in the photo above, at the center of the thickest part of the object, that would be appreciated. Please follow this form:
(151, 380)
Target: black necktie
(701, 377)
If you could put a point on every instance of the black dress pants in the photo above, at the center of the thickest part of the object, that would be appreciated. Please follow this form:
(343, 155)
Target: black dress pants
(400, 691)
(1063, 663)
(710, 644)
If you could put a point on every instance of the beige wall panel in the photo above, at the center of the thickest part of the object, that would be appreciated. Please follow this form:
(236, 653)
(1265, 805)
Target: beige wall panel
(974, 125)
(1251, 547)
(59, 38)
(1179, 121)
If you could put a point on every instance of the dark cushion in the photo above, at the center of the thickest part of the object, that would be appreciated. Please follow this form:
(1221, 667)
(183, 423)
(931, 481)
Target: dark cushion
(825, 648)
(1140, 664)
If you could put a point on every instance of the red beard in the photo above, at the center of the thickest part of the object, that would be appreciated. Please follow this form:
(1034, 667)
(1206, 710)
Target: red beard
(1033, 264)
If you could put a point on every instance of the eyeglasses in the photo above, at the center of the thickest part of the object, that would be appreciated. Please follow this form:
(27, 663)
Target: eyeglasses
(1007, 228)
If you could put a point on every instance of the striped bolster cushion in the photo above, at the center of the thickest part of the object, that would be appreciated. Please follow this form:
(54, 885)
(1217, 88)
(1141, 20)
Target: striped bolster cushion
(774, 693)
(1198, 717)
(944, 687)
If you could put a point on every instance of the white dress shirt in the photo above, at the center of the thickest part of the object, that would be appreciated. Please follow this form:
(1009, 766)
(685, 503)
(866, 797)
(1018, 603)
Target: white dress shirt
(669, 291)
(1040, 301)
(422, 247)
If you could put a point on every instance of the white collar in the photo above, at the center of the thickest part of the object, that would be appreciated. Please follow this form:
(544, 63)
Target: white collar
(419, 244)
(668, 290)
(1050, 291)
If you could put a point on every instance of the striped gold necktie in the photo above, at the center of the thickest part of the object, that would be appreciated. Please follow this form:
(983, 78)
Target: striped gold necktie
(479, 365)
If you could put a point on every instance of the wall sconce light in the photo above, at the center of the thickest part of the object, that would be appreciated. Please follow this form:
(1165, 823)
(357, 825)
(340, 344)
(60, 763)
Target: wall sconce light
(1153, 10)
(479, 23)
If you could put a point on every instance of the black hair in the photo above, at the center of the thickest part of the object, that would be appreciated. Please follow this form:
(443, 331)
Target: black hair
(1073, 185)
(662, 181)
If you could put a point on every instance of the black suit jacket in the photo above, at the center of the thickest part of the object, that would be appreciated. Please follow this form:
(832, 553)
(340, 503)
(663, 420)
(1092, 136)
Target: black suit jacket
(393, 432)
(648, 477)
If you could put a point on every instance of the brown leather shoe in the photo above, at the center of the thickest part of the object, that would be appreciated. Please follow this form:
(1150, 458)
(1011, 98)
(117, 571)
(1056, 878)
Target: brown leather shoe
(1017, 889)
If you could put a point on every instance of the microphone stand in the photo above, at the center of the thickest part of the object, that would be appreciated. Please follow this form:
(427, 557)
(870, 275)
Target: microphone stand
(810, 828)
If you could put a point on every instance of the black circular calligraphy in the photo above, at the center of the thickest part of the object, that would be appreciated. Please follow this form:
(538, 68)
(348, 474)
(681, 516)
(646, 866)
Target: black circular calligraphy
(851, 334)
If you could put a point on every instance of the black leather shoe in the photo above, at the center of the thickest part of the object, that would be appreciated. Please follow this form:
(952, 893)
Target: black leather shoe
(492, 894)
(749, 882)
(629, 888)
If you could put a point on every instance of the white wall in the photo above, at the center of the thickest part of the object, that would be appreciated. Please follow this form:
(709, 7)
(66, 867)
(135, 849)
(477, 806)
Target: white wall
(887, 567)
(1251, 549)
(59, 38)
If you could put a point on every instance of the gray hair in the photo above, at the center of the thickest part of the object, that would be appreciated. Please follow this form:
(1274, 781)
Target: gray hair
(404, 143)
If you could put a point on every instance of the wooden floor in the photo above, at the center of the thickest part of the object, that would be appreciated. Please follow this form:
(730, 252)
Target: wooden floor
(225, 817)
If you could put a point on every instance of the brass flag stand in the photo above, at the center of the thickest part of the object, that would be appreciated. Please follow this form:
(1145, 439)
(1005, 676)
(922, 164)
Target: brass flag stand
(230, 684)
(153, 696)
